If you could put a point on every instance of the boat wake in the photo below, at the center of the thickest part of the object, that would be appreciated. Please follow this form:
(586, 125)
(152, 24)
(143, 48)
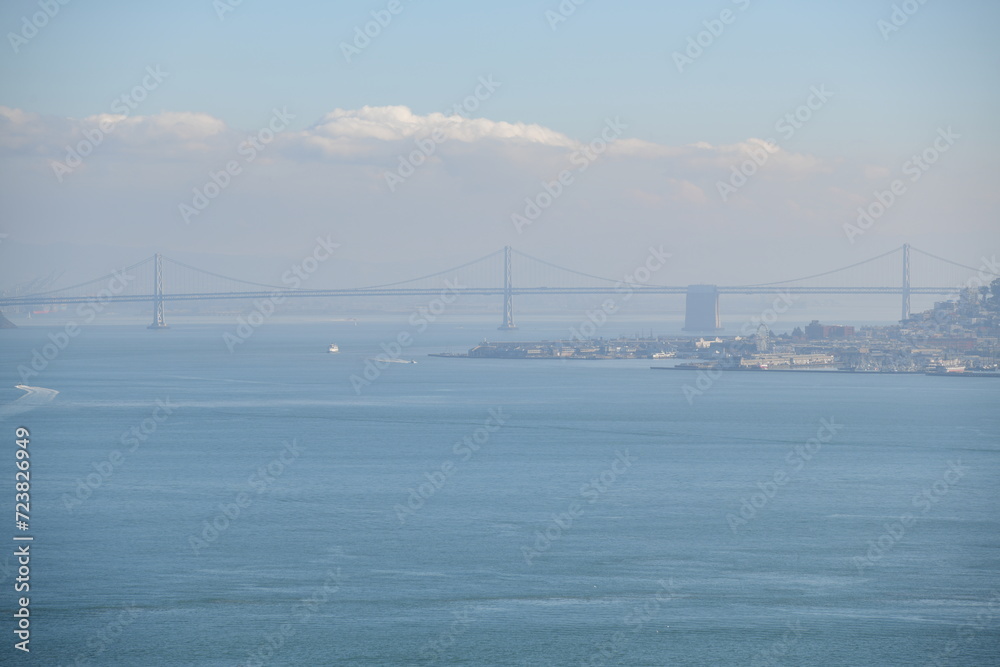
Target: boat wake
(35, 397)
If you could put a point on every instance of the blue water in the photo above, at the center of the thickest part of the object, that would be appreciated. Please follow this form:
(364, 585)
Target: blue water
(656, 565)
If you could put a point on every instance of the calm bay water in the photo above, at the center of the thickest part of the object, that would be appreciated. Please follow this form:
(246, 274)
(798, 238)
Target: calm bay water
(483, 512)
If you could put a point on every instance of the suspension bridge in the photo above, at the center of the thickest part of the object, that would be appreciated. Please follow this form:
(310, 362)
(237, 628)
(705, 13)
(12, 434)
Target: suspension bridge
(507, 273)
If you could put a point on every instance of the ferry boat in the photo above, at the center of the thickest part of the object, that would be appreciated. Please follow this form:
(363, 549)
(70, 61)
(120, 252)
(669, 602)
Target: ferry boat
(944, 369)
(333, 348)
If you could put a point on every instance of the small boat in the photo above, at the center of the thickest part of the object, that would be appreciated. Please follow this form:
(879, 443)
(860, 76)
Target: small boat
(333, 348)
(391, 360)
(944, 369)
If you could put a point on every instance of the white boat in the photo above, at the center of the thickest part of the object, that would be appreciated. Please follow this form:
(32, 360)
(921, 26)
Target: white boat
(944, 369)
(334, 348)
(390, 360)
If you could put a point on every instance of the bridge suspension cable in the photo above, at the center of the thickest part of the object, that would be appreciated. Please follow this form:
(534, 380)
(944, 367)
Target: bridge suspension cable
(563, 268)
(95, 280)
(826, 273)
(436, 274)
(235, 280)
(948, 261)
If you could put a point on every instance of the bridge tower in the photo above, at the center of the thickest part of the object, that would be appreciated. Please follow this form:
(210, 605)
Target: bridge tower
(158, 322)
(508, 294)
(701, 308)
(906, 281)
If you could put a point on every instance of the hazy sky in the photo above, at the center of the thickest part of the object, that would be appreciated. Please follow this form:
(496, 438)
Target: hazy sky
(163, 95)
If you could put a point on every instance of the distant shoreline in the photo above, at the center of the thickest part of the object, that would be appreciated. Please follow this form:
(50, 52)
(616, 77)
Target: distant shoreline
(456, 355)
(829, 370)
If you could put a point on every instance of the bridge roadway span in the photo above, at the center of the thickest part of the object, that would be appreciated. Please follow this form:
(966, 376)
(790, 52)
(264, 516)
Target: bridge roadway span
(472, 291)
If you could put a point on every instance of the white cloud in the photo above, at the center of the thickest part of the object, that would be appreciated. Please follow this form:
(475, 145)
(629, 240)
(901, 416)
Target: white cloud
(687, 192)
(374, 133)
(371, 130)
(46, 136)
(331, 175)
(399, 122)
(22, 131)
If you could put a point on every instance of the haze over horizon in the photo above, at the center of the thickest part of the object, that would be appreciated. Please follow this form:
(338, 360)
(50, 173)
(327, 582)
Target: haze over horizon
(427, 144)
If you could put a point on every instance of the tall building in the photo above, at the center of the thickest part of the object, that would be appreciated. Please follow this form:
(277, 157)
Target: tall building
(701, 311)
(817, 331)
